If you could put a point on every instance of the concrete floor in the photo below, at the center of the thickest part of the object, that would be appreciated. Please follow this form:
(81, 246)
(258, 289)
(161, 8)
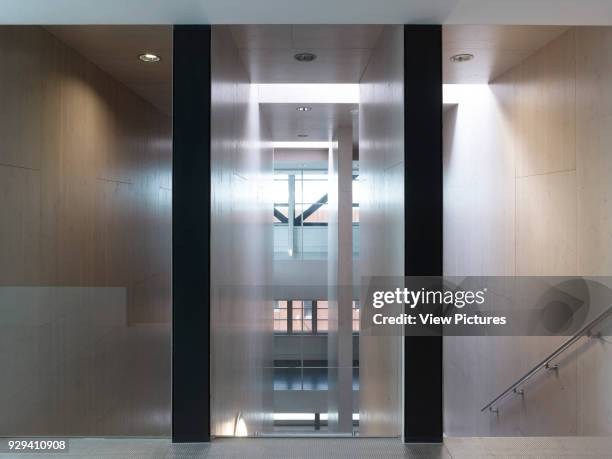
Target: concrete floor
(353, 448)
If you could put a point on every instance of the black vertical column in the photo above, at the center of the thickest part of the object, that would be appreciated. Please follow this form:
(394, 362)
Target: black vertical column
(423, 217)
(191, 235)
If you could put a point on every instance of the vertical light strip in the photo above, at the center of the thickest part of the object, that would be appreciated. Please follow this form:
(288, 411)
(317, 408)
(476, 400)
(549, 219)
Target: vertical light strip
(291, 215)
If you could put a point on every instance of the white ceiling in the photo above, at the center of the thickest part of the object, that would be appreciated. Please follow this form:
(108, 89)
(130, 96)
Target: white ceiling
(342, 52)
(319, 124)
(540, 12)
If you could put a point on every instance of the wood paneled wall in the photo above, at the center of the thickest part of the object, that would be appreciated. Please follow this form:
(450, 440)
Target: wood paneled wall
(526, 192)
(85, 202)
(89, 165)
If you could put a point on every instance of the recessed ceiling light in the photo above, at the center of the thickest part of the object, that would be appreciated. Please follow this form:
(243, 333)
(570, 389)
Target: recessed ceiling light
(303, 108)
(304, 57)
(302, 135)
(464, 57)
(354, 111)
(149, 57)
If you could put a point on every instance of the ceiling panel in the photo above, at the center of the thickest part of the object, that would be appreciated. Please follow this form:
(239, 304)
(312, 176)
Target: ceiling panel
(320, 124)
(335, 36)
(262, 37)
(495, 49)
(115, 49)
(330, 66)
(343, 52)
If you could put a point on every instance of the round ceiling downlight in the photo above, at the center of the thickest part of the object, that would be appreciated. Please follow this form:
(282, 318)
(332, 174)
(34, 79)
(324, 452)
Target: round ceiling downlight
(303, 108)
(149, 57)
(305, 57)
(463, 57)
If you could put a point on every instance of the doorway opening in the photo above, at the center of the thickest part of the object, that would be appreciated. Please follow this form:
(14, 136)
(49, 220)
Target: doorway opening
(299, 114)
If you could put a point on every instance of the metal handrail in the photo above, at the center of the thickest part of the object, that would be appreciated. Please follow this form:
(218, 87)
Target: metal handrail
(546, 363)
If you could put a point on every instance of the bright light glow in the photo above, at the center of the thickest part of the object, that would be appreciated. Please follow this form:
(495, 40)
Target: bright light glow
(241, 429)
(308, 93)
(306, 145)
(451, 93)
(456, 93)
(149, 57)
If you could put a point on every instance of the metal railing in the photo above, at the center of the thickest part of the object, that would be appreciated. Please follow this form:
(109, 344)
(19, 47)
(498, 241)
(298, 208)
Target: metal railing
(547, 363)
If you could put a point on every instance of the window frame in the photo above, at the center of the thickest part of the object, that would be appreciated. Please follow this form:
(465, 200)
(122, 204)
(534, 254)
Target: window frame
(355, 306)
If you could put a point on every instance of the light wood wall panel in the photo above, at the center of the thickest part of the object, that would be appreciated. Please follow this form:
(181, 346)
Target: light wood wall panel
(543, 137)
(85, 213)
(21, 90)
(594, 147)
(546, 224)
(479, 239)
(546, 109)
(19, 231)
(594, 186)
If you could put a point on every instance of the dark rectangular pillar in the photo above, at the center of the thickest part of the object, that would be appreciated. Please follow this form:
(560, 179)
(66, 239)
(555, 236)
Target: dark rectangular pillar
(191, 235)
(423, 217)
